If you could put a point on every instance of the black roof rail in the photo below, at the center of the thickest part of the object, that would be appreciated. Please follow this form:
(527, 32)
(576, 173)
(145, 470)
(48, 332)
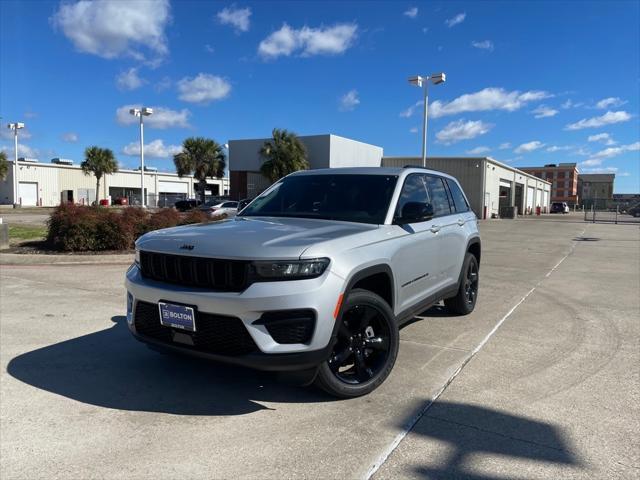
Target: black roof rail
(415, 166)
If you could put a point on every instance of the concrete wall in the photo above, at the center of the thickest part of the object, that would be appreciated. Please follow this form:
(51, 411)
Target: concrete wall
(52, 179)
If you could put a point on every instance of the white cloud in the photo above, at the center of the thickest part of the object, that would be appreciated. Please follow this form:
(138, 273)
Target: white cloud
(478, 151)
(543, 112)
(411, 110)
(411, 12)
(129, 80)
(154, 149)
(308, 41)
(615, 151)
(557, 148)
(349, 100)
(610, 102)
(162, 117)
(70, 137)
(413, 130)
(163, 84)
(6, 134)
(239, 18)
(209, 48)
(483, 45)
(602, 138)
(203, 88)
(504, 146)
(461, 130)
(529, 147)
(605, 119)
(600, 170)
(486, 99)
(459, 18)
(23, 151)
(115, 28)
(593, 162)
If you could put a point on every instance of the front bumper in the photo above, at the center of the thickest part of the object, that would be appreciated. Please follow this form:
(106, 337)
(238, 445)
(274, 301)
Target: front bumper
(319, 295)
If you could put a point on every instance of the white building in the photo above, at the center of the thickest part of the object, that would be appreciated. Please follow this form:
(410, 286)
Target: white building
(49, 184)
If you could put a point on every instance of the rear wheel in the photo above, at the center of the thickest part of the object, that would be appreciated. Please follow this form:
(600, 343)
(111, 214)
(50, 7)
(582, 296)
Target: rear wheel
(365, 350)
(465, 300)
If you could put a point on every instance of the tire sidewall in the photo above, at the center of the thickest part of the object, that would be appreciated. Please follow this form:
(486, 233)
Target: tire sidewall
(335, 386)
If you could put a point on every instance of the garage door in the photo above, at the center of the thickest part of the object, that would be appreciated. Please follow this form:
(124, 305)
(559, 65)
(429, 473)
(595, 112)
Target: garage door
(530, 194)
(539, 200)
(173, 187)
(28, 193)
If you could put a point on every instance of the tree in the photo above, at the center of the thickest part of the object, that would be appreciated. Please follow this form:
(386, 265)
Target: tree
(201, 157)
(100, 162)
(284, 154)
(4, 166)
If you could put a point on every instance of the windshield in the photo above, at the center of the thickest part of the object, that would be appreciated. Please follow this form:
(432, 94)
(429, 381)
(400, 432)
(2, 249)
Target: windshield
(349, 198)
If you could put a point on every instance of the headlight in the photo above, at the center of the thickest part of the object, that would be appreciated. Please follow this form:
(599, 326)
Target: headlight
(289, 269)
(137, 259)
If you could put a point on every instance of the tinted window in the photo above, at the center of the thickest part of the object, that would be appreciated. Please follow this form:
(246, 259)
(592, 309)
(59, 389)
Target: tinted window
(413, 190)
(230, 205)
(350, 198)
(459, 201)
(439, 196)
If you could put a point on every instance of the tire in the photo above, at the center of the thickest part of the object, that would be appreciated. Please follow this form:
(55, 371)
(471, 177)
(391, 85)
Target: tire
(365, 350)
(465, 300)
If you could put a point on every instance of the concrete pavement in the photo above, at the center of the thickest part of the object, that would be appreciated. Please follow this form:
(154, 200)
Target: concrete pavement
(79, 398)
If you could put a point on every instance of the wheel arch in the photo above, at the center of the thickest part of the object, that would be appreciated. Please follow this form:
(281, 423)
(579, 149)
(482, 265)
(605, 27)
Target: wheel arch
(474, 246)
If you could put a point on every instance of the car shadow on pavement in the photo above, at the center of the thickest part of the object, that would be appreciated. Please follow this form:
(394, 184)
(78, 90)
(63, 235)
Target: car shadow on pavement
(109, 368)
(470, 436)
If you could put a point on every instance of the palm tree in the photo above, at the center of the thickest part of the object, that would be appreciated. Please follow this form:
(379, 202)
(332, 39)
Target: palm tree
(201, 157)
(4, 166)
(100, 162)
(284, 154)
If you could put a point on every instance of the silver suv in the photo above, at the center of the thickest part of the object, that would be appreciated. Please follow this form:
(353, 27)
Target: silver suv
(314, 276)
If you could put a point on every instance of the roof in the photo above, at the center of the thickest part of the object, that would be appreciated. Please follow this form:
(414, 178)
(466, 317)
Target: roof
(598, 177)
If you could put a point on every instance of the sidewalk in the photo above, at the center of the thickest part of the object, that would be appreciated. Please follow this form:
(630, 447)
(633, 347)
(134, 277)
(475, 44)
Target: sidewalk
(555, 392)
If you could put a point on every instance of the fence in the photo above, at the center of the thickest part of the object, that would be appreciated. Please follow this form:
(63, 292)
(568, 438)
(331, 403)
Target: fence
(609, 216)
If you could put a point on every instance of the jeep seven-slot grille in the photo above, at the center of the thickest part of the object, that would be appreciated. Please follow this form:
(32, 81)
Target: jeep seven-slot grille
(215, 334)
(209, 273)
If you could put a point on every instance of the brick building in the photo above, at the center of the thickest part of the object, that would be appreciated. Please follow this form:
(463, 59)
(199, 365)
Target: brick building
(563, 178)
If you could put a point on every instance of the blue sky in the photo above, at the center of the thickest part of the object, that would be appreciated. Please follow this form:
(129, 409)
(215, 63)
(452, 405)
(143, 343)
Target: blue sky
(528, 83)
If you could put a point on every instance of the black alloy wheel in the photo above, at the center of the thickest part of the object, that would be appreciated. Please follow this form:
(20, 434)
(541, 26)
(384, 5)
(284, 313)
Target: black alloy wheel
(365, 348)
(471, 284)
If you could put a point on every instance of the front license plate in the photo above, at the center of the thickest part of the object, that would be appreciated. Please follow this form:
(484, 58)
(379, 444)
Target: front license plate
(177, 316)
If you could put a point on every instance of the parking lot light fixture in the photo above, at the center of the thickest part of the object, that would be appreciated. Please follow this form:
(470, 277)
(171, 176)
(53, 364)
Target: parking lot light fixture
(15, 127)
(141, 112)
(422, 81)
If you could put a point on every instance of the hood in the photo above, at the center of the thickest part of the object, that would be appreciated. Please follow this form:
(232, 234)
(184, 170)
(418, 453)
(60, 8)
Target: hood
(249, 237)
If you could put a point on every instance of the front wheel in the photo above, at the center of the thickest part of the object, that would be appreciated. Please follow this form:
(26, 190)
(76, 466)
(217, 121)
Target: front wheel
(465, 300)
(365, 350)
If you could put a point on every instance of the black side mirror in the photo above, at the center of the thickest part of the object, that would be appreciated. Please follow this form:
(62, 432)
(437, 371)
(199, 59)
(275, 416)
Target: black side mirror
(413, 212)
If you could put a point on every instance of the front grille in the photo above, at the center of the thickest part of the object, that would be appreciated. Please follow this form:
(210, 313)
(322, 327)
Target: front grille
(289, 326)
(208, 273)
(214, 333)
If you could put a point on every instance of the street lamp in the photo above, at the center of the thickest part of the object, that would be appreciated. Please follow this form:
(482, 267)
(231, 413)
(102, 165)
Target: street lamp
(423, 81)
(15, 127)
(141, 112)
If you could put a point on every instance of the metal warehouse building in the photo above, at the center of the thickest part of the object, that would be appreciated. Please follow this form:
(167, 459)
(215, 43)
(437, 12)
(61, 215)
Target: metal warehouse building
(491, 186)
(49, 184)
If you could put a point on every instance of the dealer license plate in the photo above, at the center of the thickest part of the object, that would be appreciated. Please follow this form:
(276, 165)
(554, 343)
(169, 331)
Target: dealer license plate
(177, 316)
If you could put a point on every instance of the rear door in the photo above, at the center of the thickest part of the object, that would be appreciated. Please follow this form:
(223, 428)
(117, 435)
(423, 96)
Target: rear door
(416, 256)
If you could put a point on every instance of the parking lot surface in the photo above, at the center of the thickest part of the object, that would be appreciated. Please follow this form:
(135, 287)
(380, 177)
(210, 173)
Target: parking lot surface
(541, 380)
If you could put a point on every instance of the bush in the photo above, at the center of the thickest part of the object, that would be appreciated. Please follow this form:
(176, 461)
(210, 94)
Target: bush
(74, 228)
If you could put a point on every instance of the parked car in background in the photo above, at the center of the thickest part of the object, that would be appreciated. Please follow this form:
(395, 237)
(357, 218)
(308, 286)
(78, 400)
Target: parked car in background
(559, 207)
(634, 211)
(216, 208)
(186, 205)
(315, 276)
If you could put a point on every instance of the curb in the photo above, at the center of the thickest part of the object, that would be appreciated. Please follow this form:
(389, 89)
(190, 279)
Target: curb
(40, 259)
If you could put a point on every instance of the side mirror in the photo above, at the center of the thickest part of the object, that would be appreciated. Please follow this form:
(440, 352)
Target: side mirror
(413, 212)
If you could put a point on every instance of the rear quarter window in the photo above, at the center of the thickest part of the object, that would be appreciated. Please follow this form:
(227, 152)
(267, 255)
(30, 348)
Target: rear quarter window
(459, 201)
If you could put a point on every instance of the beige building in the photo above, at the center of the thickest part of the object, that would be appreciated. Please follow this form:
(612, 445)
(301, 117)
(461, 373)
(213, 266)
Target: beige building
(49, 184)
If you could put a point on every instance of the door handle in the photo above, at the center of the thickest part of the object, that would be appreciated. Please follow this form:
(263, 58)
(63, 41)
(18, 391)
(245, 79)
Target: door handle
(461, 222)
(435, 228)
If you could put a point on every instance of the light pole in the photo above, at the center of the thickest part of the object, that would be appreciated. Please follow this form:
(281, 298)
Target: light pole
(15, 127)
(141, 112)
(226, 147)
(423, 82)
